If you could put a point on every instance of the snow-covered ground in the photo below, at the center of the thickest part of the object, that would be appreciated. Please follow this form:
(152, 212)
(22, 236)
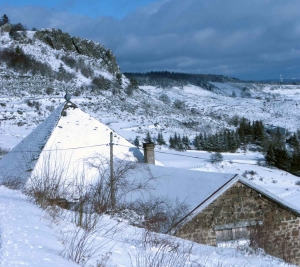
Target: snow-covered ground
(33, 237)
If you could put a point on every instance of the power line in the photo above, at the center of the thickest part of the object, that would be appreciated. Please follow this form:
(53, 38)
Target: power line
(187, 156)
(57, 149)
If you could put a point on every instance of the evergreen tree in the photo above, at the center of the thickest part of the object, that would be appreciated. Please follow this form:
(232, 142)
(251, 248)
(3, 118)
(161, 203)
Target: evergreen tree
(160, 139)
(186, 143)
(295, 163)
(270, 157)
(172, 142)
(148, 138)
(136, 142)
(3, 20)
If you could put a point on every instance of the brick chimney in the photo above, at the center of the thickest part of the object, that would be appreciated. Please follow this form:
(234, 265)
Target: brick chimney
(149, 153)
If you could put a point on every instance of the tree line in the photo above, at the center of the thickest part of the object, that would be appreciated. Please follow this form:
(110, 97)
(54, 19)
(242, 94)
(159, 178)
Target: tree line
(279, 150)
(167, 79)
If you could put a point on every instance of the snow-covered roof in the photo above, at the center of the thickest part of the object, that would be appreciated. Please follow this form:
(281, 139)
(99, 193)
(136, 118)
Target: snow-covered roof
(192, 187)
(203, 203)
(62, 143)
(22, 158)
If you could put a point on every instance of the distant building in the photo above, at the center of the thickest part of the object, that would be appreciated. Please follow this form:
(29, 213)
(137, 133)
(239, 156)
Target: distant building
(272, 129)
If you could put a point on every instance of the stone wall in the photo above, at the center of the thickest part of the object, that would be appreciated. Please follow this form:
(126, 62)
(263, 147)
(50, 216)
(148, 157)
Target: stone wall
(240, 205)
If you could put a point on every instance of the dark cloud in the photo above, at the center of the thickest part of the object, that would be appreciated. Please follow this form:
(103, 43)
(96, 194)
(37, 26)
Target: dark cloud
(244, 39)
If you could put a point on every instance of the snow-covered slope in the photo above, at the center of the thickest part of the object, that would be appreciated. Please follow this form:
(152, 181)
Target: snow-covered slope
(32, 237)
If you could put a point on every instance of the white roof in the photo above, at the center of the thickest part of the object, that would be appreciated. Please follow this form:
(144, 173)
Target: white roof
(22, 158)
(62, 144)
(192, 187)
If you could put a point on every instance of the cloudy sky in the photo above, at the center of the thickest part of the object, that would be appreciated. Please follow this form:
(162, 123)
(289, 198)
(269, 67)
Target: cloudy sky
(246, 39)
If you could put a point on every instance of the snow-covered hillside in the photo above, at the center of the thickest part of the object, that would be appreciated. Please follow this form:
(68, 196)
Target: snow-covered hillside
(32, 237)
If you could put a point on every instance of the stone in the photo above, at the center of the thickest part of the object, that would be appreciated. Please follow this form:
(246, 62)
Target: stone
(6, 27)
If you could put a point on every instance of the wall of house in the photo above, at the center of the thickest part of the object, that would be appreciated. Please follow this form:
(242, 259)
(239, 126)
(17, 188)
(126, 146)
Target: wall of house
(240, 205)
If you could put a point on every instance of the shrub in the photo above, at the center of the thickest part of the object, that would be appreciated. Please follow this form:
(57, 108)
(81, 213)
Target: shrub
(179, 104)
(101, 83)
(86, 71)
(83, 243)
(49, 91)
(158, 251)
(3, 151)
(159, 213)
(164, 98)
(15, 59)
(69, 61)
(35, 104)
(12, 182)
(216, 157)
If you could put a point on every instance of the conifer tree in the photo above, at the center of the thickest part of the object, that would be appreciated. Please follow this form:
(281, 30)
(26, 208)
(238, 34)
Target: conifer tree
(136, 142)
(148, 138)
(186, 142)
(160, 139)
(3, 20)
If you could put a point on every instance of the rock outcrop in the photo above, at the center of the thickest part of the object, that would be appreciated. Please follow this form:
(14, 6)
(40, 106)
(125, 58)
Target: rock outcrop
(58, 40)
(6, 27)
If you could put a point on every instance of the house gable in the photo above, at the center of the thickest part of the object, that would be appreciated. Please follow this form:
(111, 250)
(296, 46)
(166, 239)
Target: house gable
(241, 206)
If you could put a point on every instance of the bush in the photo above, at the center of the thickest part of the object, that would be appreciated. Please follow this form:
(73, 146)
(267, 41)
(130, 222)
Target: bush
(69, 61)
(101, 83)
(18, 27)
(86, 71)
(216, 157)
(160, 251)
(159, 214)
(35, 104)
(12, 182)
(49, 91)
(179, 104)
(83, 243)
(15, 59)
(164, 98)
(3, 151)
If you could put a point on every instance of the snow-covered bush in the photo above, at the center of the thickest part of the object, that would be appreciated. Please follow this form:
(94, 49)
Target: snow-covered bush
(216, 157)
(86, 242)
(50, 182)
(3, 151)
(164, 98)
(157, 250)
(179, 104)
(159, 213)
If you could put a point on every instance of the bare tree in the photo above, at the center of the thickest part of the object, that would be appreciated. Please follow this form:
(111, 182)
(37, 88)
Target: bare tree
(128, 176)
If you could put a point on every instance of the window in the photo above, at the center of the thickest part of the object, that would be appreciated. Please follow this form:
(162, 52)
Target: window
(234, 231)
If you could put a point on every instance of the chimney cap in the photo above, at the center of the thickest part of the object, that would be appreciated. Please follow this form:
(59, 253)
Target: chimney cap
(146, 145)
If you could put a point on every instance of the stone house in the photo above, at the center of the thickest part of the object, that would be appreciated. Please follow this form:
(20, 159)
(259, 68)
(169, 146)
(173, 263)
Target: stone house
(226, 207)
(242, 209)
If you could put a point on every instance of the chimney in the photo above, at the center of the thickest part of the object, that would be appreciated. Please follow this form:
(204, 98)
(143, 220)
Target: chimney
(149, 153)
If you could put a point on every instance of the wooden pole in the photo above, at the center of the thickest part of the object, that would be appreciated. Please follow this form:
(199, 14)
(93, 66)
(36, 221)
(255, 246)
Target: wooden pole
(112, 180)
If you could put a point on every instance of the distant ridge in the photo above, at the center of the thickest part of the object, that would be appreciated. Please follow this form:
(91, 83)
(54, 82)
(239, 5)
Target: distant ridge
(168, 79)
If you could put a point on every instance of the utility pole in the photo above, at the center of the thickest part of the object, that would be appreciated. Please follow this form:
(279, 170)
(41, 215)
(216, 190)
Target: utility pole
(112, 179)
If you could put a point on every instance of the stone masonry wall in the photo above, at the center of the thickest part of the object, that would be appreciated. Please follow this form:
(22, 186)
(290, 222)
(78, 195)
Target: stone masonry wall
(279, 235)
